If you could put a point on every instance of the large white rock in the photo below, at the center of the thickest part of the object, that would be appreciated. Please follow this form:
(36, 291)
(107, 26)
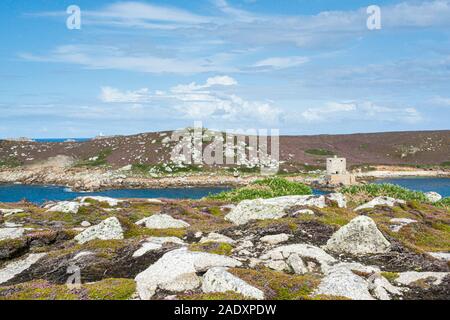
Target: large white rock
(110, 201)
(14, 268)
(109, 229)
(275, 208)
(220, 280)
(301, 250)
(11, 233)
(359, 237)
(433, 196)
(177, 271)
(64, 207)
(162, 221)
(380, 201)
(155, 243)
(341, 281)
(216, 237)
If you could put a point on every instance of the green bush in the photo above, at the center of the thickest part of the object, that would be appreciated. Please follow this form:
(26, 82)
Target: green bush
(386, 190)
(446, 164)
(444, 203)
(265, 188)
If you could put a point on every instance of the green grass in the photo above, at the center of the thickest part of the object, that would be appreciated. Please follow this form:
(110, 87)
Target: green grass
(320, 152)
(265, 188)
(387, 190)
(213, 247)
(444, 203)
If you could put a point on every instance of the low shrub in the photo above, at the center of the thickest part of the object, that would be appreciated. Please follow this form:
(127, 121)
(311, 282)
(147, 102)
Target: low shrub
(264, 188)
(386, 190)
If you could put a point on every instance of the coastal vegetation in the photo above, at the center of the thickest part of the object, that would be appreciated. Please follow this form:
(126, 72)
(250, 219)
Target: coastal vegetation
(265, 188)
(386, 190)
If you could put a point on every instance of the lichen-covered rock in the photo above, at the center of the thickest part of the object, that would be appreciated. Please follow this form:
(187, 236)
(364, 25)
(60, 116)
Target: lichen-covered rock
(16, 267)
(155, 243)
(177, 271)
(64, 206)
(108, 229)
(162, 221)
(359, 237)
(11, 233)
(275, 239)
(302, 250)
(341, 281)
(380, 201)
(433, 197)
(110, 201)
(220, 280)
(275, 208)
(297, 265)
(440, 255)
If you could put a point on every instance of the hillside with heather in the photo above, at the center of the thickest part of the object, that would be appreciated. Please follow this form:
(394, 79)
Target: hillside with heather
(296, 152)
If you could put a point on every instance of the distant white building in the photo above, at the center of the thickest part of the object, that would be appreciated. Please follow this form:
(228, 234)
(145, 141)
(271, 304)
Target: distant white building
(337, 172)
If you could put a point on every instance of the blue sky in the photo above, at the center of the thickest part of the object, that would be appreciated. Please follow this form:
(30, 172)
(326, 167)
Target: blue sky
(303, 66)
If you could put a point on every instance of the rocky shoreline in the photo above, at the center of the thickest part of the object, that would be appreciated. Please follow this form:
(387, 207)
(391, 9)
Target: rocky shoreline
(290, 247)
(84, 179)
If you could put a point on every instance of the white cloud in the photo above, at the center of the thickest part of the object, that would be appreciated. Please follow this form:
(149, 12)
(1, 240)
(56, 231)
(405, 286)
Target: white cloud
(281, 62)
(201, 101)
(108, 57)
(109, 94)
(356, 111)
(441, 101)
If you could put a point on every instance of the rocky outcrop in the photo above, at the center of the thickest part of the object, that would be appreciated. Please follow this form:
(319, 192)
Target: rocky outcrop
(110, 201)
(64, 206)
(11, 233)
(180, 268)
(341, 281)
(280, 255)
(276, 208)
(162, 221)
(16, 267)
(380, 201)
(10, 212)
(220, 280)
(359, 237)
(108, 229)
(275, 239)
